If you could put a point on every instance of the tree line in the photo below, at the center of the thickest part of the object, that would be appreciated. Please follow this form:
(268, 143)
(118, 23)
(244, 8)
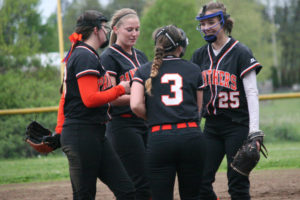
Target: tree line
(23, 34)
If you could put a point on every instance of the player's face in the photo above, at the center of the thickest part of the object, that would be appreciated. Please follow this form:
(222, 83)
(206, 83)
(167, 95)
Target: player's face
(128, 32)
(103, 31)
(211, 25)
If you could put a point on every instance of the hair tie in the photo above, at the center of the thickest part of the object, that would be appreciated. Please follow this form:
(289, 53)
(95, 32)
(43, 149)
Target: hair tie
(122, 17)
(74, 38)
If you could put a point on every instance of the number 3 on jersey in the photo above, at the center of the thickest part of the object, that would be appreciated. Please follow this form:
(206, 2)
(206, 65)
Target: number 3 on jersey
(176, 89)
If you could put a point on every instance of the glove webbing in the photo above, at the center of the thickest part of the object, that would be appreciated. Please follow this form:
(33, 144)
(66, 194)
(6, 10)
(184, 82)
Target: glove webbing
(36, 132)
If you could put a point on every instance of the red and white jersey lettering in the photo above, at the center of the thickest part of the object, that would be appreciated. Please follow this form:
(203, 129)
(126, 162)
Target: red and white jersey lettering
(222, 77)
(104, 82)
(174, 91)
(122, 66)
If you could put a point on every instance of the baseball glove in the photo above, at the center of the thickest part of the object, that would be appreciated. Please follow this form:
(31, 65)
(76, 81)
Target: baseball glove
(41, 139)
(248, 155)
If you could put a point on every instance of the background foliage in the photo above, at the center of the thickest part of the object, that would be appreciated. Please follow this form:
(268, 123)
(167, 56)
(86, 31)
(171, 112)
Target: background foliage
(287, 19)
(253, 31)
(159, 14)
(26, 82)
(33, 88)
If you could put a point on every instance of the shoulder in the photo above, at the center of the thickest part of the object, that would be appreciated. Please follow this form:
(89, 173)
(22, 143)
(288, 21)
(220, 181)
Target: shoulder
(107, 53)
(190, 67)
(242, 48)
(143, 72)
(199, 54)
(84, 54)
(108, 57)
(140, 54)
(201, 50)
(146, 67)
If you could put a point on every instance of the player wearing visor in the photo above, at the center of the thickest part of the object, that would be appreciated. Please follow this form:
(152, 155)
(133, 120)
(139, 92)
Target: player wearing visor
(211, 24)
(230, 98)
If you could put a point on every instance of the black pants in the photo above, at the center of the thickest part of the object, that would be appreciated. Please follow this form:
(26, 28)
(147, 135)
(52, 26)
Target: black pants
(224, 137)
(171, 152)
(90, 157)
(129, 141)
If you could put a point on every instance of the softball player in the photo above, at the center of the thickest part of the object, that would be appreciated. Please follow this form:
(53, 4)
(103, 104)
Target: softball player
(230, 97)
(171, 105)
(84, 109)
(126, 131)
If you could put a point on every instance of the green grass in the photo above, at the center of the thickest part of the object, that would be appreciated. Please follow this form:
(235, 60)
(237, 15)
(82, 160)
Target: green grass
(43, 168)
(51, 168)
(280, 111)
(281, 156)
(279, 119)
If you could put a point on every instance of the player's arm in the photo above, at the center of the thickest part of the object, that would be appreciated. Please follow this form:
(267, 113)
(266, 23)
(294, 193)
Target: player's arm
(250, 87)
(92, 97)
(60, 115)
(199, 102)
(137, 100)
(122, 100)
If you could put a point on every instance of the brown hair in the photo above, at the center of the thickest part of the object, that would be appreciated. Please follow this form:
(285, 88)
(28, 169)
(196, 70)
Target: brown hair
(162, 44)
(118, 19)
(228, 25)
(87, 21)
(84, 26)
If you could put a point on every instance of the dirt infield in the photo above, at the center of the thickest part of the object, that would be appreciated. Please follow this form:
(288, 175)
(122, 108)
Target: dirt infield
(265, 185)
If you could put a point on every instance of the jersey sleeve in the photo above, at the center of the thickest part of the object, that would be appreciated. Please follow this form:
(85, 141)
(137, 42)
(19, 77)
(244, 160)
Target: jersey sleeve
(248, 62)
(142, 57)
(199, 78)
(138, 77)
(86, 64)
(194, 57)
(60, 115)
(110, 65)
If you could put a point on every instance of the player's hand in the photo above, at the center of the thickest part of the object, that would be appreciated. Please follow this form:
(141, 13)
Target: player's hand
(126, 85)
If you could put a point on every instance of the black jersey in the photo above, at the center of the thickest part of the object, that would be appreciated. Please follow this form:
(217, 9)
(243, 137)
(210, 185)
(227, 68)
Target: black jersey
(222, 75)
(122, 65)
(174, 91)
(83, 61)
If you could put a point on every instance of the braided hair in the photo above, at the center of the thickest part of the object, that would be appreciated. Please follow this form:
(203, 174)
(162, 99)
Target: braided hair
(165, 39)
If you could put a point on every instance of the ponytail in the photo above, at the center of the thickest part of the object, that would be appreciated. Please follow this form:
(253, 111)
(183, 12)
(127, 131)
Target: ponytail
(158, 59)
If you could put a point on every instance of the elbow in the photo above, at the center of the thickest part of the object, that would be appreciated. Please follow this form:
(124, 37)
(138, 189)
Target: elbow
(134, 108)
(252, 92)
(88, 103)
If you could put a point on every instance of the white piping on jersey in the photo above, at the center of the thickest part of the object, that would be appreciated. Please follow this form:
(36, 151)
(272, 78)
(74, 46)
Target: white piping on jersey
(171, 58)
(84, 47)
(249, 68)
(213, 97)
(65, 74)
(122, 54)
(201, 86)
(65, 82)
(111, 72)
(219, 61)
(138, 79)
(210, 85)
(86, 71)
